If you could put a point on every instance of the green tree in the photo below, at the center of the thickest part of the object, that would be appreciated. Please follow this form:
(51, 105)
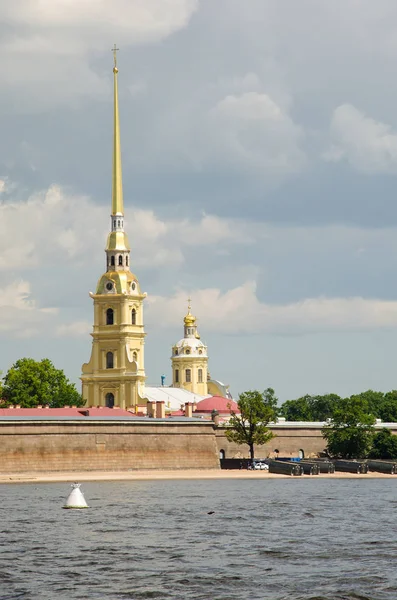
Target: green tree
(297, 410)
(373, 400)
(350, 431)
(309, 408)
(249, 426)
(322, 407)
(384, 445)
(388, 408)
(30, 383)
(270, 399)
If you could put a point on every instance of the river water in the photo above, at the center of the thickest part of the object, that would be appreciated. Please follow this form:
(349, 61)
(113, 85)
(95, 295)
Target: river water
(278, 539)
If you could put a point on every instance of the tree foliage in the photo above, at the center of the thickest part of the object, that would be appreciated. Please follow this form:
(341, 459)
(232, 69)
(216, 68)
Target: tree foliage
(271, 401)
(30, 383)
(350, 431)
(309, 408)
(384, 445)
(250, 425)
(320, 408)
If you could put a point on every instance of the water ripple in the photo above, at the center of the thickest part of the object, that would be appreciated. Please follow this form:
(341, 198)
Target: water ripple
(265, 540)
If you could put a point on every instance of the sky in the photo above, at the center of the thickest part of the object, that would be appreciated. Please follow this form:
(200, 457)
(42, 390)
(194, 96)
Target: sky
(259, 146)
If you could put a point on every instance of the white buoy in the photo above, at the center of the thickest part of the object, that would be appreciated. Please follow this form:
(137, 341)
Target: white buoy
(76, 498)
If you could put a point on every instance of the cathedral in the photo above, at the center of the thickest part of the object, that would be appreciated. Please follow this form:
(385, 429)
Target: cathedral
(115, 374)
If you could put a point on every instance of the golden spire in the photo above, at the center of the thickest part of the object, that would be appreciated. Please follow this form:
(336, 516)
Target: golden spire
(117, 238)
(117, 180)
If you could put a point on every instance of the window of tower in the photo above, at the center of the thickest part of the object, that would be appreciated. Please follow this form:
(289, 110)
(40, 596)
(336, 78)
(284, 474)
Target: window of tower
(112, 261)
(126, 261)
(118, 223)
(133, 316)
(120, 261)
(188, 375)
(109, 400)
(135, 356)
(200, 375)
(114, 223)
(176, 375)
(109, 316)
(109, 360)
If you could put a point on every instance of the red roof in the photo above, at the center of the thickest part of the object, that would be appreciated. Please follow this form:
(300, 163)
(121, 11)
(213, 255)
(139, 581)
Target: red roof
(178, 413)
(222, 405)
(64, 412)
(38, 412)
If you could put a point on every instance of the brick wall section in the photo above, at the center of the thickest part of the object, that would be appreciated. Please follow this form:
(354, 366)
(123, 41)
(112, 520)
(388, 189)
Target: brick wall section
(44, 446)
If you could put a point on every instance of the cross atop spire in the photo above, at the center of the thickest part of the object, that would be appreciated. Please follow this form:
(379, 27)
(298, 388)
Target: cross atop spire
(115, 50)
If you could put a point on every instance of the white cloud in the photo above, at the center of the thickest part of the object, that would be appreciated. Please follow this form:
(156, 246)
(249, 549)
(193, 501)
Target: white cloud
(20, 315)
(76, 329)
(240, 311)
(50, 44)
(133, 21)
(366, 144)
(54, 228)
(252, 131)
(248, 132)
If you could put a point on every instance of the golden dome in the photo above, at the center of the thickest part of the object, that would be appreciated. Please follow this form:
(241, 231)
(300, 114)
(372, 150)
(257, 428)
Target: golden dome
(189, 320)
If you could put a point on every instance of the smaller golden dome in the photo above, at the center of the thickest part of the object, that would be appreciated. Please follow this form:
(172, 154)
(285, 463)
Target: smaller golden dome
(189, 320)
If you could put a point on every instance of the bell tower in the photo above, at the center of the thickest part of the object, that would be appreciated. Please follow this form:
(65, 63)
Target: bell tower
(115, 374)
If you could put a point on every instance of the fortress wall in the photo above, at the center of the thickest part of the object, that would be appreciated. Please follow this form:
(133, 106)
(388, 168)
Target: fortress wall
(288, 442)
(43, 446)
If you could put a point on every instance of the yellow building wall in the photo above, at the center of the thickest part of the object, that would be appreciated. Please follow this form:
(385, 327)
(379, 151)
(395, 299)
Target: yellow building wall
(194, 364)
(126, 341)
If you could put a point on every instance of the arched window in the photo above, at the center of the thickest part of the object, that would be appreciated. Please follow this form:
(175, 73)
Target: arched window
(133, 316)
(109, 399)
(200, 375)
(188, 375)
(176, 375)
(118, 223)
(114, 223)
(135, 356)
(109, 316)
(109, 360)
(126, 261)
(112, 261)
(120, 261)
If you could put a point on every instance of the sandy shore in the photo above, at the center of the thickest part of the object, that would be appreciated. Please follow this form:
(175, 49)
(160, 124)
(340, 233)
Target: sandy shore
(156, 475)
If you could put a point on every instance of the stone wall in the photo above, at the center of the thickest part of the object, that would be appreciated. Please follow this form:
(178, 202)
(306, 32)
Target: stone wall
(109, 445)
(289, 441)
